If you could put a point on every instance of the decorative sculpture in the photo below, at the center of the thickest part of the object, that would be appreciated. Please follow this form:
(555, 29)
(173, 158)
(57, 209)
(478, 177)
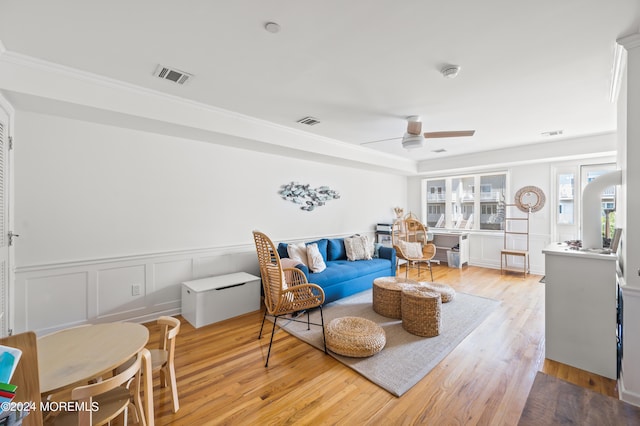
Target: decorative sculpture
(309, 198)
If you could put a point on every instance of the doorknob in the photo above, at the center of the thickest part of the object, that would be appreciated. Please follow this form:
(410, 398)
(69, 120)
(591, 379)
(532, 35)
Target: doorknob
(12, 235)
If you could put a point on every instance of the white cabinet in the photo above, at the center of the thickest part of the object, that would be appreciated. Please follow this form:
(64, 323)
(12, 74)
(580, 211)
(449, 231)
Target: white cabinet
(445, 241)
(581, 309)
(214, 299)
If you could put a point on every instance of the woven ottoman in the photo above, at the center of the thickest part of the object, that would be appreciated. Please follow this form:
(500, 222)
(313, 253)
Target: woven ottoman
(421, 311)
(447, 293)
(355, 337)
(387, 293)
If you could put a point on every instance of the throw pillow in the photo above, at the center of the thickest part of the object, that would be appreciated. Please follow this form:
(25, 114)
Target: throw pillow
(411, 250)
(316, 262)
(298, 252)
(288, 263)
(376, 250)
(357, 248)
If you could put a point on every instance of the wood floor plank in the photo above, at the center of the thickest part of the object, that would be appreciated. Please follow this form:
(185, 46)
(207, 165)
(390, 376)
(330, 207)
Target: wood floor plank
(485, 380)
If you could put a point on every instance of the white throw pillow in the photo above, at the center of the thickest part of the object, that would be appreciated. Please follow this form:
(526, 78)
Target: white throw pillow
(316, 262)
(358, 247)
(411, 250)
(298, 252)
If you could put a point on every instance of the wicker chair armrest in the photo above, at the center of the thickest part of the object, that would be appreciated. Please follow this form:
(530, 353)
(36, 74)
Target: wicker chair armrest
(294, 276)
(400, 253)
(307, 289)
(429, 251)
(300, 297)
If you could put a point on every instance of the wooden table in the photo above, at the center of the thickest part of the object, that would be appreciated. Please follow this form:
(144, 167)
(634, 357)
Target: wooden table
(77, 354)
(82, 353)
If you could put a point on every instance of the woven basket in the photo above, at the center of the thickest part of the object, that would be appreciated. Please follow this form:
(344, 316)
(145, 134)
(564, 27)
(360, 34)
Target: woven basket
(447, 293)
(355, 337)
(387, 293)
(421, 311)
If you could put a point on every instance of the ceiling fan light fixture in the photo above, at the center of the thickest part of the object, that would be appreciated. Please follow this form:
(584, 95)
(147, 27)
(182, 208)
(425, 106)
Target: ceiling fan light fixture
(410, 141)
(450, 71)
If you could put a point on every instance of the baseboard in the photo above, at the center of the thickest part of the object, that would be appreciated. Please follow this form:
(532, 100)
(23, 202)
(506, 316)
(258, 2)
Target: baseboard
(626, 395)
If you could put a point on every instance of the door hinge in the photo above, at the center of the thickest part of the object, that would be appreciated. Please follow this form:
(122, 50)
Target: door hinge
(10, 142)
(11, 332)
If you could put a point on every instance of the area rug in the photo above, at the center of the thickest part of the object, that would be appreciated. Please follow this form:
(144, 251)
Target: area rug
(406, 358)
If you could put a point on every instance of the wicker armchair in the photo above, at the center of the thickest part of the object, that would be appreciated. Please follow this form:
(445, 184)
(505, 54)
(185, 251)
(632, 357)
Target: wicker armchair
(411, 230)
(286, 290)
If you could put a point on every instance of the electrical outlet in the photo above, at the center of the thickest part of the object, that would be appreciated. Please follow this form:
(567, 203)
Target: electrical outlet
(135, 290)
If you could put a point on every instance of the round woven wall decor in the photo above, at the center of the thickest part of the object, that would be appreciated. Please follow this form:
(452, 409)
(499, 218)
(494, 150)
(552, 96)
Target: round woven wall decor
(530, 199)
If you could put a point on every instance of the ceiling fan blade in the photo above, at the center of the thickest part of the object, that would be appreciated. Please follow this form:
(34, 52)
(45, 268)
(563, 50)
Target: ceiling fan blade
(450, 134)
(414, 127)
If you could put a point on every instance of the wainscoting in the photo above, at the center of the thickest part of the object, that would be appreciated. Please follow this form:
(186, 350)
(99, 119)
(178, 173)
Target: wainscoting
(485, 251)
(133, 288)
(140, 288)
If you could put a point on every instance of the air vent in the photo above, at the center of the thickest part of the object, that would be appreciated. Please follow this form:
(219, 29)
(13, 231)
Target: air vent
(552, 133)
(309, 121)
(172, 74)
(439, 150)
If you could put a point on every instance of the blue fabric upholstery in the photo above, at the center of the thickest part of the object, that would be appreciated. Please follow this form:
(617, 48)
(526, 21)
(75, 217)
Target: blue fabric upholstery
(336, 250)
(322, 247)
(343, 277)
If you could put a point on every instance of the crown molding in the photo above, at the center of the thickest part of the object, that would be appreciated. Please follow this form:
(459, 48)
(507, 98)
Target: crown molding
(235, 124)
(617, 71)
(630, 42)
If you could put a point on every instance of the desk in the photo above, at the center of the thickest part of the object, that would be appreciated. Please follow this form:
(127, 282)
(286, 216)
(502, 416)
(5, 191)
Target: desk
(82, 353)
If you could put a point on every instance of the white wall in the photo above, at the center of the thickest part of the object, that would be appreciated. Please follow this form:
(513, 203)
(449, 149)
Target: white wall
(629, 111)
(485, 246)
(100, 208)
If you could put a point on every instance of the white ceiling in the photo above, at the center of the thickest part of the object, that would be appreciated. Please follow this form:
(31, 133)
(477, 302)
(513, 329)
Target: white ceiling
(359, 66)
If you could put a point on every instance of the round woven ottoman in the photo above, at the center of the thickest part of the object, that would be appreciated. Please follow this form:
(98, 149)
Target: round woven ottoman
(421, 311)
(447, 293)
(387, 293)
(355, 337)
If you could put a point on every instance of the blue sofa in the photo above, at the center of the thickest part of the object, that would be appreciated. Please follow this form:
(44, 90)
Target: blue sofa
(344, 277)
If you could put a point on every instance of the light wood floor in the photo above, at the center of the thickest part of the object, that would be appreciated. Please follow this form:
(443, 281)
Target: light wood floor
(485, 380)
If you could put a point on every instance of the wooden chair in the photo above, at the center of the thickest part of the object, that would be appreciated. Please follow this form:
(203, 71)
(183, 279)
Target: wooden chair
(286, 290)
(162, 359)
(409, 239)
(101, 402)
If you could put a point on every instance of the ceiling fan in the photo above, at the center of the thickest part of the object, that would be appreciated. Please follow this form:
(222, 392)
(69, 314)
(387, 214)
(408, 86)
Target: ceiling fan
(414, 138)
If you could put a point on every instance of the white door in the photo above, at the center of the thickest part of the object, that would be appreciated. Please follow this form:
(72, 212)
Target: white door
(6, 251)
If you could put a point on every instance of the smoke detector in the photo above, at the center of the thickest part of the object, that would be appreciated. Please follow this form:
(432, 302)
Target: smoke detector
(450, 71)
(172, 74)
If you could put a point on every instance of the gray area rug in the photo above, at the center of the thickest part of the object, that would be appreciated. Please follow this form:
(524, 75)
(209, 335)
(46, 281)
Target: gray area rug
(406, 358)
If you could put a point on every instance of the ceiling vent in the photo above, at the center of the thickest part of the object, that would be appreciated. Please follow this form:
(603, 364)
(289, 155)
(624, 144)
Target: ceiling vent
(552, 133)
(309, 121)
(172, 74)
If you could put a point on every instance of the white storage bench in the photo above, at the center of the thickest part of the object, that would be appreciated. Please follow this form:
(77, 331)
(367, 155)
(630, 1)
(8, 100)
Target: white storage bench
(214, 299)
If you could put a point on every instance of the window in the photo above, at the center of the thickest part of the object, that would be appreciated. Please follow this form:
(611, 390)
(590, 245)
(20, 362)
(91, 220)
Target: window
(465, 202)
(566, 188)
